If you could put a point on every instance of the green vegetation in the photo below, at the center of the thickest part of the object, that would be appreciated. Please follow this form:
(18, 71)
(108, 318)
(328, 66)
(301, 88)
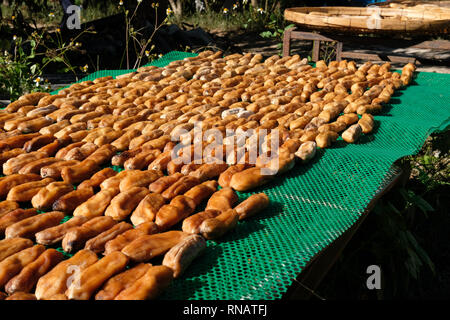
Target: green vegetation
(50, 13)
(35, 43)
(248, 19)
(22, 66)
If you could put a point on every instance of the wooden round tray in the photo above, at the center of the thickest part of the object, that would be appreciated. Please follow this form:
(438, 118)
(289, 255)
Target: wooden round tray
(417, 19)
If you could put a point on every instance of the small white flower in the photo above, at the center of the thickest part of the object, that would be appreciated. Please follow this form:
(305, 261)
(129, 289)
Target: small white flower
(51, 14)
(225, 10)
(85, 68)
(244, 2)
(147, 53)
(235, 6)
(14, 37)
(169, 11)
(260, 10)
(37, 81)
(160, 55)
(120, 3)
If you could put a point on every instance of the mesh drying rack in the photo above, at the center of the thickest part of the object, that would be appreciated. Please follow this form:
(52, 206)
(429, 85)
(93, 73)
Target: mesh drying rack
(311, 205)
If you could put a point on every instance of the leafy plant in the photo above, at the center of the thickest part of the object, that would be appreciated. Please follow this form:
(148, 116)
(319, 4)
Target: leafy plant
(136, 37)
(276, 26)
(19, 73)
(23, 67)
(431, 167)
(327, 51)
(30, 50)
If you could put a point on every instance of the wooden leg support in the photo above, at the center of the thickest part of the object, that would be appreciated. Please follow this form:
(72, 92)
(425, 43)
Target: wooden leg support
(292, 33)
(339, 51)
(287, 42)
(315, 50)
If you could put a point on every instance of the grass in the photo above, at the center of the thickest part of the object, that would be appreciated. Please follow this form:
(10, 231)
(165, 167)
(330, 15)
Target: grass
(233, 21)
(93, 12)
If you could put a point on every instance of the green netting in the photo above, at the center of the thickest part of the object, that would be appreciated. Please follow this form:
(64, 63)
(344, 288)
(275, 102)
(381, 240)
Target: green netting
(314, 204)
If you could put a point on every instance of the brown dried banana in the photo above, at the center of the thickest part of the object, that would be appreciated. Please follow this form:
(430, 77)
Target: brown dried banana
(13, 264)
(96, 205)
(164, 182)
(249, 179)
(55, 234)
(182, 254)
(138, 178)
(47, 195)
(76, 237)
(149, 286)
(26, 191)
(11, 246)
(54, 170)
(122, 281)
(352, 134)
(179, 208)
(147, 209)
(97, 244)
(29, 276)
(55, 282)
(147, 247)
(27, 228)
(222, 200)
(216, 227)
(252, 205)
(94, 276)
(7, 206)
(79, 172)
(125, 202)
(180, 187)
(70, 201)
(15, 216)
(97, 178)
(122, 240)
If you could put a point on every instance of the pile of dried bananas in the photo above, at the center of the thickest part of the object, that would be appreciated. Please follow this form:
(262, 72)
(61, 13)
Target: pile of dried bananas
(178, 133)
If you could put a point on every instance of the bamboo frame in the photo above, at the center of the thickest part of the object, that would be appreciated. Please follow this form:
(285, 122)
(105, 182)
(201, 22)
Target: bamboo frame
(372, 20)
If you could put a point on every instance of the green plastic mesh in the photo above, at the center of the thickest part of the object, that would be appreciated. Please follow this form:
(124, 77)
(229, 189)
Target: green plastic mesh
(311, 205)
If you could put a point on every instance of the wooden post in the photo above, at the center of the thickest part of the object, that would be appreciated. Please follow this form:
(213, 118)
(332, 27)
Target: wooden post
(338, 51)
(287, 42)
(316, 50)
